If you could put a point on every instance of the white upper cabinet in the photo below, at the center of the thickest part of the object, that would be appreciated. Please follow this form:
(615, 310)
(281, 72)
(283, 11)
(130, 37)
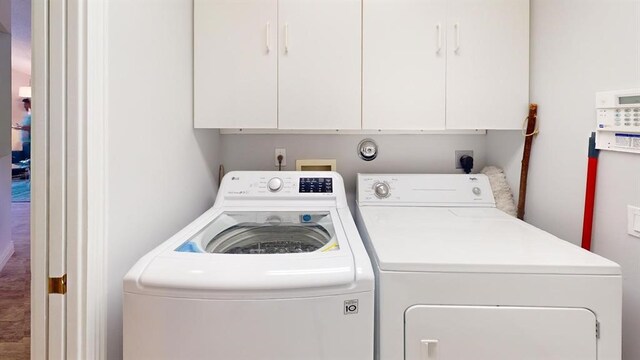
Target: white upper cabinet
(450, 64)
(287, 64)
(320, 64)
(487, 64)
(361, 64)
(404, 63)
(235, 63)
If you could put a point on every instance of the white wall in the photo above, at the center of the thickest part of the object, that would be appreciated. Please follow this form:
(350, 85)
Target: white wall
(17, 108)
(504, 149)
(161, 173)
(397, 153)
(580, 47)
(6, 243)
(5, 94)
(5, 147)
(20, 61)
(5, 16)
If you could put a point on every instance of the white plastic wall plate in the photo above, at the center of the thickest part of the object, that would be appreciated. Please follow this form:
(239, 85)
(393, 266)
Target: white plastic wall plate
(316, 165)
(633, 221)
(283, 152)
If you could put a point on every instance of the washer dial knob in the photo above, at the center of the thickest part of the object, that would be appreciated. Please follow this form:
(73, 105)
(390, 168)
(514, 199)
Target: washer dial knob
(275, 184)
(476, 190)
(381, 190)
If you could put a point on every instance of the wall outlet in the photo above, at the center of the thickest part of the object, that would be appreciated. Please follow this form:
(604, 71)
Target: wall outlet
(282, 152)
(459, 154)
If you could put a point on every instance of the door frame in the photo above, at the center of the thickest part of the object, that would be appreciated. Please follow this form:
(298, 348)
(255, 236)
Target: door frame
(79, 193)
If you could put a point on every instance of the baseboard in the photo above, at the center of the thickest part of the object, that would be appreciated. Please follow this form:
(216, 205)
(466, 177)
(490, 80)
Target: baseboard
(6, 255)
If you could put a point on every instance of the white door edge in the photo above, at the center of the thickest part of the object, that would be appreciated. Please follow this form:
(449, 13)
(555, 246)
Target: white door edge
(39, 180)
(94, 251)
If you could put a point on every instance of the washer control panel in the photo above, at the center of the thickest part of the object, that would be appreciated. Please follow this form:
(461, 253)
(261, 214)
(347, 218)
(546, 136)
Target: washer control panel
(278, 184)
(316, 185)
(426, 190)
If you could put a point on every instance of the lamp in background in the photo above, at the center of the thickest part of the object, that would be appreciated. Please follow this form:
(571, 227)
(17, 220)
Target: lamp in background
(24, 92)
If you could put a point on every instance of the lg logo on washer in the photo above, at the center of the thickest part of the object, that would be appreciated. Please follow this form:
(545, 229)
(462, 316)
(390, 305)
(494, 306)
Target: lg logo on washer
(351, 306)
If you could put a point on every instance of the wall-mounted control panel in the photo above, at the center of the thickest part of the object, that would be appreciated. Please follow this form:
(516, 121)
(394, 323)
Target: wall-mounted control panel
(618, 120)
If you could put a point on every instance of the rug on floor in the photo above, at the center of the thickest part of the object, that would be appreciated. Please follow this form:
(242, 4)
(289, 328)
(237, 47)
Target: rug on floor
(20, 191)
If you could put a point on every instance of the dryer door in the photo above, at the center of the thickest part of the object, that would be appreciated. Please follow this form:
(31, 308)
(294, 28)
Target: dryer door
(499, 333)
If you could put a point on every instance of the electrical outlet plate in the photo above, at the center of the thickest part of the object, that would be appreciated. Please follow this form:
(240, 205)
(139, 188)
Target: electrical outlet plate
(282, 152)
(459, 154)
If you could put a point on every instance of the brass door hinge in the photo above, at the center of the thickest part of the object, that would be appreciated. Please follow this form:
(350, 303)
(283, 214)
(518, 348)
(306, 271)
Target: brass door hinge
(58, 285)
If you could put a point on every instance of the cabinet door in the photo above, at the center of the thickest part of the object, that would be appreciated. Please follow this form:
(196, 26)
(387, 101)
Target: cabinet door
(487, 64)
(404, 63)
(319, 64)
(235, 63)
(499, 333)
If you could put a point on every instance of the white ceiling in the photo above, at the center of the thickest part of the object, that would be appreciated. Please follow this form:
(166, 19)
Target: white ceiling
(21, 35)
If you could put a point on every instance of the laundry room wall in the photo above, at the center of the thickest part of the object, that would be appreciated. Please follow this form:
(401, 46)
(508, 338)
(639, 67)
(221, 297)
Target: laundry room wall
(5, 94)
(20, 62)
(6, 246)
(5, 16)
(6, 243)
(161, 173)
(420, 153)
(17, 107)
(504, 149)
(580, 47)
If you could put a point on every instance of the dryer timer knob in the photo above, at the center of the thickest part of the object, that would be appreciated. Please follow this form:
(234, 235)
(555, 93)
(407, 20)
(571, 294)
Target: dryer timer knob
(381, 190)
(275, 184)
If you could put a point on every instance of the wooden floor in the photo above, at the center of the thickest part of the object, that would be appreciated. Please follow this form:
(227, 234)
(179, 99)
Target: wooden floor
(15, 280)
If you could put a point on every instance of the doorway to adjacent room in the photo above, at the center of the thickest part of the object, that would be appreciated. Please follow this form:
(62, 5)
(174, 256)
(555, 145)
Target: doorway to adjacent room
(15, 179)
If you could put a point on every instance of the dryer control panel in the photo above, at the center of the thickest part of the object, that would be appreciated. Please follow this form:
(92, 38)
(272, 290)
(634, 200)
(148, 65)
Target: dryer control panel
(425, 190)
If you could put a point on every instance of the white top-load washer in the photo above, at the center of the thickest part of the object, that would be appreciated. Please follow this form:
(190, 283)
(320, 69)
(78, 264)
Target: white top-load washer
(458, 279)
(275, 270)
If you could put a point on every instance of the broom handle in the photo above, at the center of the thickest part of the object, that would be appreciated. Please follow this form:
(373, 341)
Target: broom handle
(524, 171)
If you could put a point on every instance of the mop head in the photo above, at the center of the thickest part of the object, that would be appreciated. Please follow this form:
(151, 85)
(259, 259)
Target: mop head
(501, 190)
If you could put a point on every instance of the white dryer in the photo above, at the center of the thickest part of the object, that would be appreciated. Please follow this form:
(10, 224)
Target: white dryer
(275, 270)
(457, 279)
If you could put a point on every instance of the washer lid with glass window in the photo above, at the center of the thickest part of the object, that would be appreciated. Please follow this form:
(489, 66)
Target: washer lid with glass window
(257, 250)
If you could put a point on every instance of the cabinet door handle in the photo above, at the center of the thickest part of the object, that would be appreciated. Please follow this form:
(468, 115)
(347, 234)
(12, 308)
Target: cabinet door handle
(268, 40)
(286, 37)
(428, 349)
(439, 28)
(456, 26)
